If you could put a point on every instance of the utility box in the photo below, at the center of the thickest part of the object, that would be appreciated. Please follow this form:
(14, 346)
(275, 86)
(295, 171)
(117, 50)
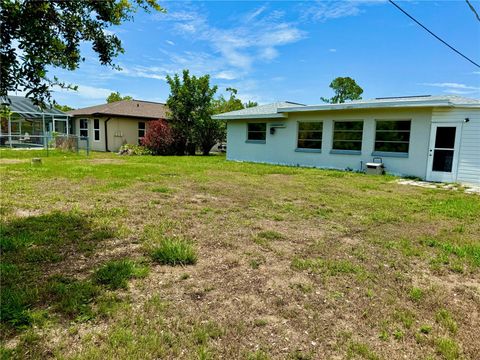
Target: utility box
(374, 168)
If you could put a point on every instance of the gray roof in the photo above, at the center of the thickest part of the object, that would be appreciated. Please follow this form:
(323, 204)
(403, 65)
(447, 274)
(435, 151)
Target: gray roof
(280, 109)
(261, 111)
(26, 108)
(393, 102)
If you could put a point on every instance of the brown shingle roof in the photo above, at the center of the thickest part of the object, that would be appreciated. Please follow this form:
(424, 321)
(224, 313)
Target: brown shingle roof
(129, 108)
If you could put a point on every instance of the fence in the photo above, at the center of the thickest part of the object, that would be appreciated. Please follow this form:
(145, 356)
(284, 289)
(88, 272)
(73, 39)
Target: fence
(62, 142)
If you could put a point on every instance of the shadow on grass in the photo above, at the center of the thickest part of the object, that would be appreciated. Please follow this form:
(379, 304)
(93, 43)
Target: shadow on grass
(29, 247)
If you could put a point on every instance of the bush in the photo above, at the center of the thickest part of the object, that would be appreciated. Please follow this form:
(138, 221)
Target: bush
(158, 138)
(132, 149)
(173, 251)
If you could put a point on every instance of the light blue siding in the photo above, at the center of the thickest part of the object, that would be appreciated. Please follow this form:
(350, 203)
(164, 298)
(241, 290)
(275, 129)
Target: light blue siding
(280, 147)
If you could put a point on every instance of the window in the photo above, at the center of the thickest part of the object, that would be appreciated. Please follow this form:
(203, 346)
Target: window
(347, 135)
(310, 135)
(257, 131)
(96, 129)
(84, 127)
(141, 131)
(392, 136)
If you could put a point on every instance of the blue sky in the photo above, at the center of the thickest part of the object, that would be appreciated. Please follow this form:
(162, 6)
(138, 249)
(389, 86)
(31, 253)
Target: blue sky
(286, 50)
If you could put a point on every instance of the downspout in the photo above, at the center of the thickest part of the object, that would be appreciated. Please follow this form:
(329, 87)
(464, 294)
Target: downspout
(106, 134)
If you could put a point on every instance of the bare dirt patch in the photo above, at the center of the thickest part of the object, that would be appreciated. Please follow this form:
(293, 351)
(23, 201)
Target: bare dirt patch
(13, 161)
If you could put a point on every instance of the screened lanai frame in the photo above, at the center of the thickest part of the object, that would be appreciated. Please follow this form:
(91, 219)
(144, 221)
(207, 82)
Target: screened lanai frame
(24, 123)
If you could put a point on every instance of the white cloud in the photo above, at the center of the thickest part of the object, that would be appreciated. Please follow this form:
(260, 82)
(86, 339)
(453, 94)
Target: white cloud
(225, 75)
(170, 42)
(147, 72)
(252, 37)
(321, 10)
(452, 85)
(87, 92)
(268, 53)
(454, 88)
(332, 50)
(255, 13)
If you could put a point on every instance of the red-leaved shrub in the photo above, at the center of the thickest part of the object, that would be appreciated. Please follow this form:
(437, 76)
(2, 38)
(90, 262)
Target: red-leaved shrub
(158, 137)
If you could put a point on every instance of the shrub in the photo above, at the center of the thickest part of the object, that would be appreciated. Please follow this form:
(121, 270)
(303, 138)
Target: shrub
(132, 149)
(158, 138)
(174, 251)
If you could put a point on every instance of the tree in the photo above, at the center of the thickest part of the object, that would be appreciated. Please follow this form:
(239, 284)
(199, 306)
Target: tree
(158, 138)
(37, 35)
(190, 105)
(63, 108)
(222, 105)
(115, 96)
(345, 88)
(250, 104)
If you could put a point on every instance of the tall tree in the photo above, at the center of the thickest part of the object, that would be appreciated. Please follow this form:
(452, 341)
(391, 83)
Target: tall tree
(345, 88)
(36, 35)
(190, 105)
(250, 104)
(115, 96)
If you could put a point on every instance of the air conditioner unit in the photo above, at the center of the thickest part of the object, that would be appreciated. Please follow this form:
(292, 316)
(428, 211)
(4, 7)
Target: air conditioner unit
(374, 168)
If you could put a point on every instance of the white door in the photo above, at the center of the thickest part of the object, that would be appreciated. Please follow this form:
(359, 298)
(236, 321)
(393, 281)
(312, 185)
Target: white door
(443, 152)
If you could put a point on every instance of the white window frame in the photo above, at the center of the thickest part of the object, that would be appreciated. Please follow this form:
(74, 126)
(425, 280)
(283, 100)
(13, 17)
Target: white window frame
(144, 130)
(85, 128)
(95, 130)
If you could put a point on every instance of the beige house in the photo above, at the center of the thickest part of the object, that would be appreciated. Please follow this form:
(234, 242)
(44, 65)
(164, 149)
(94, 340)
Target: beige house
(109, 126)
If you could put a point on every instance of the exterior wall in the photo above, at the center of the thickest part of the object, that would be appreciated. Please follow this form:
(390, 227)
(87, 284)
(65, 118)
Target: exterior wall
(280, 148)
(120, 131)
(94, 145)
(468, 170)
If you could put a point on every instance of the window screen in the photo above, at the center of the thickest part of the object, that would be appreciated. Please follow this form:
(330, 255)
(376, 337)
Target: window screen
(392, 136)
(347, 135)
(310, 135)
(257, 131)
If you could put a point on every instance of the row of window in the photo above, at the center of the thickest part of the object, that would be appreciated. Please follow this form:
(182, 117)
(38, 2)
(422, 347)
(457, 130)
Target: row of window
(390, 136)
(96, 129)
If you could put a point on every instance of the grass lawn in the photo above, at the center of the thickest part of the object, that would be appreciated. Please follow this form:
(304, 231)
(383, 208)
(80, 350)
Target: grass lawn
(109, 257)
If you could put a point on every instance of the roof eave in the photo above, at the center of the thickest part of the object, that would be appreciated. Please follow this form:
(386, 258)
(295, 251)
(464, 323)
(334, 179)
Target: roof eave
(250, 116)
(121, 115)
(347, 106)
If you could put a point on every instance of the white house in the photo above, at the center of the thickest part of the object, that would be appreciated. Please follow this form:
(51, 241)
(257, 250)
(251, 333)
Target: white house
(436, 138)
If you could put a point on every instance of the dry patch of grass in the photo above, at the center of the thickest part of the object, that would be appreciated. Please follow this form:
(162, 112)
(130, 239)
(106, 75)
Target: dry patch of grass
(271, 262)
